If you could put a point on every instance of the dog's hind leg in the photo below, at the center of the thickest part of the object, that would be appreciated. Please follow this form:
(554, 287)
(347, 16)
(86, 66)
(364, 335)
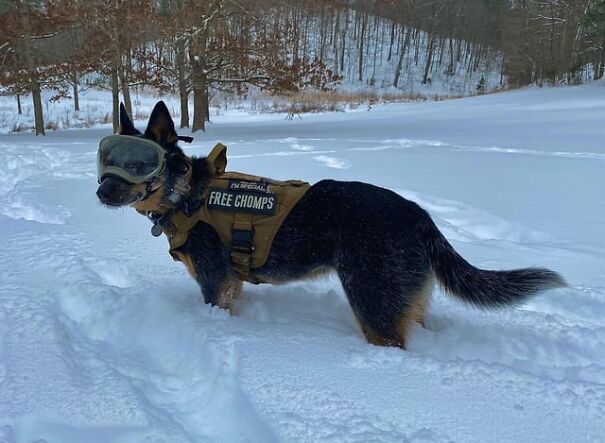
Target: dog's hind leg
(386, 304)
(370, 335)
(422, 301)
(415, 311)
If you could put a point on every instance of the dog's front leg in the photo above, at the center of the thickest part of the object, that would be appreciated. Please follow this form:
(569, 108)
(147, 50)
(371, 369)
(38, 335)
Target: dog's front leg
(210, 264)
(218, 286)
(221, 292)
(210, 276)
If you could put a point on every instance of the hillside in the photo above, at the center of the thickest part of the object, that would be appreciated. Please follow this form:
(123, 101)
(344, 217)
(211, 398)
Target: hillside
(386, 62)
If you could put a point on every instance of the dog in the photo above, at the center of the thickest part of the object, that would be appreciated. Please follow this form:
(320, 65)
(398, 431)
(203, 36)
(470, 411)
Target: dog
(386, 250)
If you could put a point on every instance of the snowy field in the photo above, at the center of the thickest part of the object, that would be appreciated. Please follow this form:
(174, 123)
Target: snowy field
(103, 338)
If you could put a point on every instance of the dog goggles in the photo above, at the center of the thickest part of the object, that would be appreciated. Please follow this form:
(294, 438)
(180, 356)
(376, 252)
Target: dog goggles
(133, 159)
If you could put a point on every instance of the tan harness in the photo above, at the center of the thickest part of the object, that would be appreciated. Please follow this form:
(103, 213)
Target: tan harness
(245, 210)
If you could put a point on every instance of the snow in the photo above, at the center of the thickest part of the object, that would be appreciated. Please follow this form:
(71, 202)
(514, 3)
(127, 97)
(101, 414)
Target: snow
(103, 338)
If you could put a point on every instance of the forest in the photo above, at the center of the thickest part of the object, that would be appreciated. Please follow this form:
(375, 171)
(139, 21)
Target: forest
(195, 48)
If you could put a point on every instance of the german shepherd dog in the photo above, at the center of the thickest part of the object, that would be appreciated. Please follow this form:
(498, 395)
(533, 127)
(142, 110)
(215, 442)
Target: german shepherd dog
(385, 249)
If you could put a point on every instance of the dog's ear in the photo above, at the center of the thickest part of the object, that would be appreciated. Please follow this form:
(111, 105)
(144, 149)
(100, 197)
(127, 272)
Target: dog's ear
(161, 127)
(126, 126)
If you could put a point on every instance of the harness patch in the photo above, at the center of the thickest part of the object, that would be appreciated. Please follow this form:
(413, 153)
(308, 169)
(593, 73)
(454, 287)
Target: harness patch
(241, 185)
(238, 201)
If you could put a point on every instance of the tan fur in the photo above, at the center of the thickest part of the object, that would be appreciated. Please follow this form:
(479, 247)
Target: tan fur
(149, 204)
(236, 288)
(230, 290)
(188, 262)
(160, 130)
(422, 301)
(374, 338)
(415, 311)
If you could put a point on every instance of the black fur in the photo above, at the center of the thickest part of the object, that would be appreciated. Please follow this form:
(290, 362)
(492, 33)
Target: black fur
(126, 126)
(384, 248)
(479, 287)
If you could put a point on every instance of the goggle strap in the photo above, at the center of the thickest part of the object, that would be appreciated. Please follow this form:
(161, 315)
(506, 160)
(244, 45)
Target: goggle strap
(184, 138)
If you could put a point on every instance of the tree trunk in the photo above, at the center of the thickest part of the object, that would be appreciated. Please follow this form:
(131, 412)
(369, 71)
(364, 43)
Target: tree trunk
(600, 66)
(306, 40)
(429, 60)
(344, 42)
(206, 102)
(361, 45)
(322, 33)
(37, 98)
(335, 41)
(296, 34)
(391, 42)
(19, 109)
(184, 97)
(199, 117)
(115, 95)
(452, 69)
(125, 89)
(182, 83)
(199, 82)
(402, 51)
(200, 94)
(75, 83)
(375, 57)
(32, 70)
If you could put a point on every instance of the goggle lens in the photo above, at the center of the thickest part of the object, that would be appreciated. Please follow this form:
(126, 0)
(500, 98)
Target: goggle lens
(131, 158)
(136, 159)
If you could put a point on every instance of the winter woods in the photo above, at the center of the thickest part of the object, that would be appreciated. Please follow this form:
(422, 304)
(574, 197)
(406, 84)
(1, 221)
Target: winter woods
(183, 46)
(195, 48)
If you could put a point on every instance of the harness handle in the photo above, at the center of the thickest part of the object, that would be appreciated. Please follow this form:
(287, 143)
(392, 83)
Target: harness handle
(217, 159)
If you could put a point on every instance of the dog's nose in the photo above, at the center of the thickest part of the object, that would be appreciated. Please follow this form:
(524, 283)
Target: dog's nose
(102, 193)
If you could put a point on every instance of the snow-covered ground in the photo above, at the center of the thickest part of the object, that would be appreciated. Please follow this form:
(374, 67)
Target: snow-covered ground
(103, 338)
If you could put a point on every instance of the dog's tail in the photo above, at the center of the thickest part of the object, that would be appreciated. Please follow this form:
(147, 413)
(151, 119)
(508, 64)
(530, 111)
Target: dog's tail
(487, 289)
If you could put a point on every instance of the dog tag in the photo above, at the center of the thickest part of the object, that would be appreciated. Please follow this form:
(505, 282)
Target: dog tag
(156, 230)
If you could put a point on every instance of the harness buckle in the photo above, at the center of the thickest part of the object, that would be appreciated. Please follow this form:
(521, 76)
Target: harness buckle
(242, 244)
(242, 240)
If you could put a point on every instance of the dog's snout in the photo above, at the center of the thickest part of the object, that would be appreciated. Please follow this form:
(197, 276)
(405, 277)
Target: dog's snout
(102, 193)
(110, 192)
(115, 192)
(105, 190)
